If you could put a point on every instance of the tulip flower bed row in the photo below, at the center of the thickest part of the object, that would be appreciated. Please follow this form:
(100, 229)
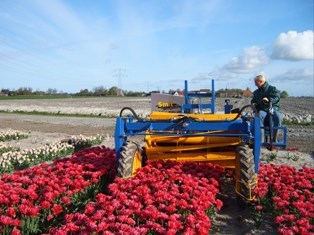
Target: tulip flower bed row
(13, 159)
(36, 199)
(163, 198)
(288, 194)
(12, 135)
(7, 148)
(81, 141)
(19, 160)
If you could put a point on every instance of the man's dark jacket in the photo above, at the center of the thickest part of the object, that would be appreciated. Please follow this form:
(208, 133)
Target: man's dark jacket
(269, 92)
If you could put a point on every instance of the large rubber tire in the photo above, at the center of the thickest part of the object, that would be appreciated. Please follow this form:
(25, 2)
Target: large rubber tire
(130, 160)
(245, 171)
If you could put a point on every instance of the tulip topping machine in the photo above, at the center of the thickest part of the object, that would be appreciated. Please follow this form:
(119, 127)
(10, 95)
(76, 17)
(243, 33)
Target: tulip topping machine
(187, 128)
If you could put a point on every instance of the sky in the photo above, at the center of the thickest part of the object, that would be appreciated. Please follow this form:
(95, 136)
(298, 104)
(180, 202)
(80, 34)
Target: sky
(145, 45)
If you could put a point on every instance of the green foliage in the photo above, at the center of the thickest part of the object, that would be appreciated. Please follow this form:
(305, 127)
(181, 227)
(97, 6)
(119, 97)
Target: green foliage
(34, 96)
(61, 114)
(271, 157)
(293, 157)
(284, 94)
(4, 149)
(295, 123)
(211, 212)
(52, 93)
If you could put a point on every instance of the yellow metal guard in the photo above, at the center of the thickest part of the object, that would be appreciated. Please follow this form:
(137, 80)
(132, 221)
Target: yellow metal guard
(215, 149)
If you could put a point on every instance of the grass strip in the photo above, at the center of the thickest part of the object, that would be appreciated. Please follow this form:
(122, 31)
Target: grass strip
(59, 114)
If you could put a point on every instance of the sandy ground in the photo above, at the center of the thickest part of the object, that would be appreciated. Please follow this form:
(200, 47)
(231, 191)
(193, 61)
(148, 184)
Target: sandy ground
(232, 219)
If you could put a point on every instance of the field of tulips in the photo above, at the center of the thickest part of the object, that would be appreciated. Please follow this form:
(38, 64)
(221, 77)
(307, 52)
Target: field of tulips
(287, 194)
(36, 199)
(163, 197)
(79, 194)
(12, 158)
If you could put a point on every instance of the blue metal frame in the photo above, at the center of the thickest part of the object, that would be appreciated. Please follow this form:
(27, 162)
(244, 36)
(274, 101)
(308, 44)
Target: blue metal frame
(248, 127)
(269, 132)
(188, 106)
(279, 143)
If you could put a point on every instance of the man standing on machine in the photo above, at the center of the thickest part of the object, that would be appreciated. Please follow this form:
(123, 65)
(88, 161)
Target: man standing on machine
(266, 99)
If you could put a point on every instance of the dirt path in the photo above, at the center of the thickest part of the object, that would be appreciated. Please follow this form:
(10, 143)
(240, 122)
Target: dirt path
(48, 129)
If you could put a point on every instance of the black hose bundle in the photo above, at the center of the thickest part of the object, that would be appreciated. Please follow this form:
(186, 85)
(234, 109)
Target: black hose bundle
(133, 113)
(241, 110)
(184, 118)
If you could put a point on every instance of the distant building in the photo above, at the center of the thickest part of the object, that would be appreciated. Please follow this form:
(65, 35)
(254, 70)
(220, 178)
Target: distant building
(205, 91)
(178, 93)
(226, 94)
(247, 93)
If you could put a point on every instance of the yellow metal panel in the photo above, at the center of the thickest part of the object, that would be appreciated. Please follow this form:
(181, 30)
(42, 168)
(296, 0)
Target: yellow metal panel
(192, 140)
(137, 162)
(182, 148)
(226, 159)
(204, 155)
(204, 117)
(193, 148)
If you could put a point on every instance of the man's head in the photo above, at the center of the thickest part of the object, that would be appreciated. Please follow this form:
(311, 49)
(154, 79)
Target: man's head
(259, 81)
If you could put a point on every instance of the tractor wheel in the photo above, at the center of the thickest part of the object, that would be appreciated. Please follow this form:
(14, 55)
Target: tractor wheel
(130, 160)
(245, 171)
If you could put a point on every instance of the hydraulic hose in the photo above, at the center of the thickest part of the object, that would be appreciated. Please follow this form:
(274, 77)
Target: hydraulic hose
(133, 113)
(185, 118)
(244, 107)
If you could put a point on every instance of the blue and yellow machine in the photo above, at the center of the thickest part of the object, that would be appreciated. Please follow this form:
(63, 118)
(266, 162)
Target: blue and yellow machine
(193, 131)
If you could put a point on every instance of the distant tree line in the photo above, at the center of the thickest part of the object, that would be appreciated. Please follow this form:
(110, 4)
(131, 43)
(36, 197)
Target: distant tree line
(97, 91)
(29, 91)
(113, 91)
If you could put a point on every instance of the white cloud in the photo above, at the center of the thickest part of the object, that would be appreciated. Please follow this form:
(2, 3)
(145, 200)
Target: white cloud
(297, 82)
(295, 76)
(294, 46)
(251, 60)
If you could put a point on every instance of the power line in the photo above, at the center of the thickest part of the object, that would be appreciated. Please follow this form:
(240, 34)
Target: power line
(120, 73)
